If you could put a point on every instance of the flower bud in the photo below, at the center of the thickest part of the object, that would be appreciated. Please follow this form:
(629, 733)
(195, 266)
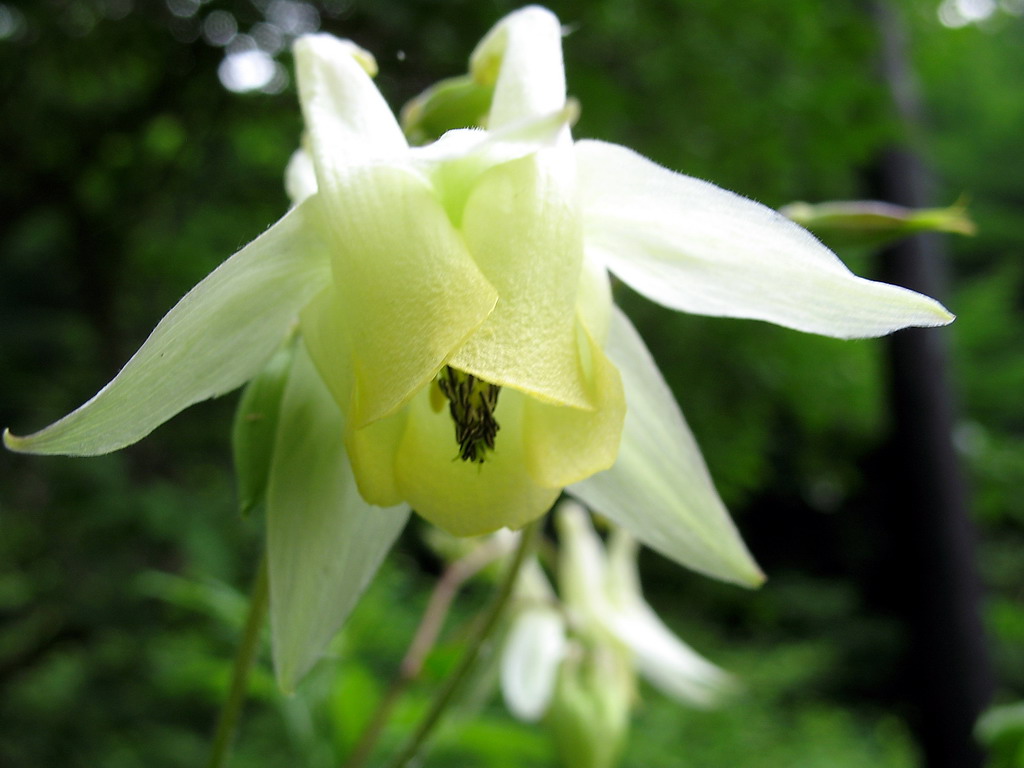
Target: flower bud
(589, 716)
(873, 223)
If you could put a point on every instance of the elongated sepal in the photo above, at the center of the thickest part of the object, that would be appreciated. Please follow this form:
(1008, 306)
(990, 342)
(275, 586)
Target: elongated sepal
(215, 339)
(659, 488)
(695, 247)
(324, 543)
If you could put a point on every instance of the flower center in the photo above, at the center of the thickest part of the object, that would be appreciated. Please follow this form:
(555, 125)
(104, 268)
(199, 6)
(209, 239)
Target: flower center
(471, 402)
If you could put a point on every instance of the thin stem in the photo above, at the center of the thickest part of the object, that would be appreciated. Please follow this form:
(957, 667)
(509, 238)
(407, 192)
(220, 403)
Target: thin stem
(448, 586)
(244, 659)
(489, 621)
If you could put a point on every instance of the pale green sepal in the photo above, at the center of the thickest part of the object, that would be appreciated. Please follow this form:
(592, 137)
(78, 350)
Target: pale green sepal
(692, 246)
(522, 57)
(659, 488)
(324, 543)
(214, 340)
(255, 428)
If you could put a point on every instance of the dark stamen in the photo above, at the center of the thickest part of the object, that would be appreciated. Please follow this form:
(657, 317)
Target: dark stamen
(471, 402)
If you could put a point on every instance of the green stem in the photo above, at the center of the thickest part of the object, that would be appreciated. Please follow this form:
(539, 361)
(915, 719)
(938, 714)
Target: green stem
(489, 621)
(244, 659)
(448, 586)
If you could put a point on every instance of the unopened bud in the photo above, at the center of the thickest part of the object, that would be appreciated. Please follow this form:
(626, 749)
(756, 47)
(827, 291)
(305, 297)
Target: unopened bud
(873, 223)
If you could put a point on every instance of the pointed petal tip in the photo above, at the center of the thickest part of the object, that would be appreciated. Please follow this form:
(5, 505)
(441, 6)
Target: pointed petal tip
(286, 679)
(755, 579)
(12, 442)
(27, 443)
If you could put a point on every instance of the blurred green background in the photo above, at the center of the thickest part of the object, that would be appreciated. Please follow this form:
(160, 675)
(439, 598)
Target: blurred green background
(144, 141)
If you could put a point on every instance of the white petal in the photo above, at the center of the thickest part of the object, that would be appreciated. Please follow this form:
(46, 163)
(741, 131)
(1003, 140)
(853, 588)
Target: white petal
(659, 488)
(522, 55)
(324, 543)
(215, 339)
(668, 663)
(533, 650)
(665, 660)
(692, 246)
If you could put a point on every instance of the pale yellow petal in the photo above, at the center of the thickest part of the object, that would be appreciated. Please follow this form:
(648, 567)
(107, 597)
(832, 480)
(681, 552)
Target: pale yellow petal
(522, 226)
(408, 292)
(373, 452)
(467, 498)
(565, 445)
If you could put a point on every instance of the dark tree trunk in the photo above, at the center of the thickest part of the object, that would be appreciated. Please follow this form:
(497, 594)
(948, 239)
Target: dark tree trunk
(931, 570)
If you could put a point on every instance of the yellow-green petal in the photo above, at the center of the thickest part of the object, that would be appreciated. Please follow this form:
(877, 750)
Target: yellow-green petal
(372, 448)
(565, 445)
(408, 292)
(523, 228)
(373, 451)
(466, 498)
(215, 339)
(327, 344)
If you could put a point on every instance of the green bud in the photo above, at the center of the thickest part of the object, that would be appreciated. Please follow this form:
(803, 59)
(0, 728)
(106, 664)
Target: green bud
(589, 715)
(875, 224)
(458, 102)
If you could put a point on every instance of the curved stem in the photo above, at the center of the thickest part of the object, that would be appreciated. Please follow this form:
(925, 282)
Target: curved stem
(489, 621)
(448, 586)
(247, 651)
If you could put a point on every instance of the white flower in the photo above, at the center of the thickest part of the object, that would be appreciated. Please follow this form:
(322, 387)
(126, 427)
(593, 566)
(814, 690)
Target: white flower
(451, 272)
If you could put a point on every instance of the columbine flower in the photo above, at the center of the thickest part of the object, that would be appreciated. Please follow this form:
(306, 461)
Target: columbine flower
(460, 352)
